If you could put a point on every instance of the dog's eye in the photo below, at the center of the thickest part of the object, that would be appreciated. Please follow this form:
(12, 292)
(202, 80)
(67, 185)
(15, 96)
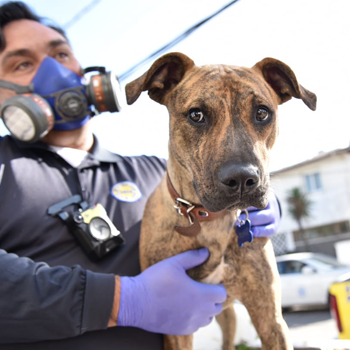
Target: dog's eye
(262, 114)
(196, 115)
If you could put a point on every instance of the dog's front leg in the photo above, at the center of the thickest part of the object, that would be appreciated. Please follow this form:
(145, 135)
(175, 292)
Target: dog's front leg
(260, 294)
(178, 342)
(227, 322)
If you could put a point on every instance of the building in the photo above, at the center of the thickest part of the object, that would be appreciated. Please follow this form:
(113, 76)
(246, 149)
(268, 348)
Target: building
(325, 180)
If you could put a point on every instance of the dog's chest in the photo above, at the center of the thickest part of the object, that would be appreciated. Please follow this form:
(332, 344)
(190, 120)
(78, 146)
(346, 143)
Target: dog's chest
(217, 275)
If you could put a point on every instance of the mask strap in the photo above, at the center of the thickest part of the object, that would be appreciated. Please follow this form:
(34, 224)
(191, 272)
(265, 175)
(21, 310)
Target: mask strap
(94, 69)
(19, 89)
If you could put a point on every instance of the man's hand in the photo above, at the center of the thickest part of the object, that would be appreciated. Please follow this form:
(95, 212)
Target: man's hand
(164, 299)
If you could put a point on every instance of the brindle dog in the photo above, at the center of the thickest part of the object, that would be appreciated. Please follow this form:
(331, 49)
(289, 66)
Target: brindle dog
(223, 124)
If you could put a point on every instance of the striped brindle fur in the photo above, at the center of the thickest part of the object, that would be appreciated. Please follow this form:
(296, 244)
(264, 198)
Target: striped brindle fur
(223, 125)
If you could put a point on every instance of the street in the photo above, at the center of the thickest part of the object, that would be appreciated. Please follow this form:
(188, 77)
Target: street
(311, 328)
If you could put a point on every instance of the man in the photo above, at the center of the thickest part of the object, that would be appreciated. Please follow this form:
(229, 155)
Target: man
(53, 295)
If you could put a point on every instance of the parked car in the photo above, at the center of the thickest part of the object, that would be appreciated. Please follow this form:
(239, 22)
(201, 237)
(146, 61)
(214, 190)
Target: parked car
(339, 294)
(306, 278)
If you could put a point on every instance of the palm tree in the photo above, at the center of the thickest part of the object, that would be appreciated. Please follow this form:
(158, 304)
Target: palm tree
(299, 206)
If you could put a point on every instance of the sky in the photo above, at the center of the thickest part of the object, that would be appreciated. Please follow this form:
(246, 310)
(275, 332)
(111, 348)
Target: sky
(311, 36)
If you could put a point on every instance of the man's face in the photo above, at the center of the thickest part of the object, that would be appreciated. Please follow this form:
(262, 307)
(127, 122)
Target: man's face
(27, 44)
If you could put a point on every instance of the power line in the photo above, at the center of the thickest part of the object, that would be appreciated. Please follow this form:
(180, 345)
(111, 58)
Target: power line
(173, 42)
(80, 14)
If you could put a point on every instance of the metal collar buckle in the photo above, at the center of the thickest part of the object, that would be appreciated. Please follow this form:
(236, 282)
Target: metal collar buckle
(189, 207)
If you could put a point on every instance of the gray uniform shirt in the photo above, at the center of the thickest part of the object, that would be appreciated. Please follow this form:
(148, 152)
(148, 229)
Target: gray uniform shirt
(52, 296)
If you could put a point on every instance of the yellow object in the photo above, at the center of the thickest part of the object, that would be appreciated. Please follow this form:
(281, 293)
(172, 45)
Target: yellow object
(97, 211)
(341, 292)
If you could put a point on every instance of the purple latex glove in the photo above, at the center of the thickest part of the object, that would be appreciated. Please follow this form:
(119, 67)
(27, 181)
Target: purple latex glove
(164, 299)
(265, 222)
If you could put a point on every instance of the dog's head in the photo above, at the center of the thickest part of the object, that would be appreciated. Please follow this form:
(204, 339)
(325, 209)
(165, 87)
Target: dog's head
(223, 123)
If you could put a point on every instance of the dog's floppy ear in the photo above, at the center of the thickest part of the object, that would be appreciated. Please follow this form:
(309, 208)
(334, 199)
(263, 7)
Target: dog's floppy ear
(162, 77)
(284, 82)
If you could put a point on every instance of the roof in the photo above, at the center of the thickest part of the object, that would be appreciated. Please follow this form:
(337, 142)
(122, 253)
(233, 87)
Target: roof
(320, 156)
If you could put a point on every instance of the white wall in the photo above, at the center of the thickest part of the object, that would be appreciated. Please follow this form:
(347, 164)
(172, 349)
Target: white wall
(330, 204)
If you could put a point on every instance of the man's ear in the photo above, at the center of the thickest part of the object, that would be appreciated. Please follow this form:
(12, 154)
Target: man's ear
(161, 78)
(284, 82)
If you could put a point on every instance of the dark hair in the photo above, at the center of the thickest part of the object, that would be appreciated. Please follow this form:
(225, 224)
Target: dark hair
(16, 10)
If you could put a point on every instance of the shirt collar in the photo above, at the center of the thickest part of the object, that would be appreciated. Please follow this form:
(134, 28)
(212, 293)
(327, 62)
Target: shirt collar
(97, 152)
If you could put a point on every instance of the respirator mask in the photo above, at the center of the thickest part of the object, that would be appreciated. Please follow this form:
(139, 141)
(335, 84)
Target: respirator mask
(58, 99)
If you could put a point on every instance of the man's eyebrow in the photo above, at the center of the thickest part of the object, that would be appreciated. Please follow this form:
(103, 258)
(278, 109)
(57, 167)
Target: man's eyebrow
(58, 42)
(14, 53)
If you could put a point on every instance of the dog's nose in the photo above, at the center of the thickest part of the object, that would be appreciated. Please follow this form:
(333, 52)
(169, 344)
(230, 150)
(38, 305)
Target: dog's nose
(239, 177)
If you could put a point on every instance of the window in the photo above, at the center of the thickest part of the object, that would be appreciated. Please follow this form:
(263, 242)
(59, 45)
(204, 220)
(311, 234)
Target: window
(290, 267)
(336, 228)
(313, 182)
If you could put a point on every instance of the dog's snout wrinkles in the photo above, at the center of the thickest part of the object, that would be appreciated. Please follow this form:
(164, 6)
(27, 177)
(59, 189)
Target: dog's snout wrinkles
(239, 177)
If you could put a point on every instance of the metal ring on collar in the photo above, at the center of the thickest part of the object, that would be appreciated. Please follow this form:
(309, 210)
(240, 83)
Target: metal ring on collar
(239, 212)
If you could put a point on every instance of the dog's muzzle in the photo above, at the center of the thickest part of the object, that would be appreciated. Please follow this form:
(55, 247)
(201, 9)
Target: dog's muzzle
(239, 177)
(234, 186)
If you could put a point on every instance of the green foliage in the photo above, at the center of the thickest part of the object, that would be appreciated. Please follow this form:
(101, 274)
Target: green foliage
(299, 205)
(244, 347)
